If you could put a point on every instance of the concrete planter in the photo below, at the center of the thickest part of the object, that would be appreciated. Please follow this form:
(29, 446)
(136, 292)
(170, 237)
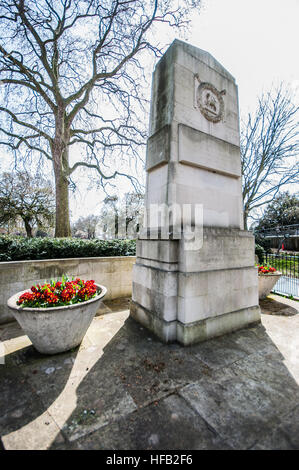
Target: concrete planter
(266, 283)
(56, 329)
(114, 272)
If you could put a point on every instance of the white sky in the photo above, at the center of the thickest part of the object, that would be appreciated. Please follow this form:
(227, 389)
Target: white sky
(257, 41)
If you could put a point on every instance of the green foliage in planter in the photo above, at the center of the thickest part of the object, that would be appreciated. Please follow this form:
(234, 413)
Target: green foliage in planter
(260, 252)
(19, 248)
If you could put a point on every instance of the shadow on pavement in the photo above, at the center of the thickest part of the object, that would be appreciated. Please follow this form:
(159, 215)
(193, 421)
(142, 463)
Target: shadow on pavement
(231, 392)
(124, 389)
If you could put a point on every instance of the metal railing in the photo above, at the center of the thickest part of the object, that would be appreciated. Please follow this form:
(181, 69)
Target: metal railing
(280, 231)
(288, 265)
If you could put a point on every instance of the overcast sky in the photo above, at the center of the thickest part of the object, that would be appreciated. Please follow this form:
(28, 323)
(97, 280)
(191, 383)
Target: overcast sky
(256, 41)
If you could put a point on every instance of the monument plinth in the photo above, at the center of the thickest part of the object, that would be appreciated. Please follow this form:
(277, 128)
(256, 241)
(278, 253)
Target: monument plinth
(183, 291)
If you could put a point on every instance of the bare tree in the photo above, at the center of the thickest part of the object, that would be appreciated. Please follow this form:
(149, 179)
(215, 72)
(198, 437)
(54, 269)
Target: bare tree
(27, 197)
(86, 225)
(110, 216)
(121, 218)
(71, 71)
(269, 149)
(133, 211)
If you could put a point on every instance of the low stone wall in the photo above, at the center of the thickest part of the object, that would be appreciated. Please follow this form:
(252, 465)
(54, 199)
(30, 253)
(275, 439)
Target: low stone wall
(113, 272)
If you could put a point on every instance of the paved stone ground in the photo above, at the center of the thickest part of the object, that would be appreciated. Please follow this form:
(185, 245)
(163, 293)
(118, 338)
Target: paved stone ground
(123, 389)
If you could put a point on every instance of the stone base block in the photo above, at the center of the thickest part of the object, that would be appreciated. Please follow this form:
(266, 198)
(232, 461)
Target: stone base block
(203, 330)
(188, 334)
(166, 331)
(191, 296)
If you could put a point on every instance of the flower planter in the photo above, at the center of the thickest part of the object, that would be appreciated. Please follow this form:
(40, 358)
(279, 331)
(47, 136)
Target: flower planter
(56, 329)
(266, 283)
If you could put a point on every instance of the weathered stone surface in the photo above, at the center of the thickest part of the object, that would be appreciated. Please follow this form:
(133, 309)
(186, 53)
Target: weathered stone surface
(218, 293)
(183, 61)
(217, 279)
(165, 330)
(163, 251)
(157, 373)
(156, 427)
(225, 350)
(158, 148)
(284, 437)
(274, 377)
(272, 307)
(190, 333)
(252, 393)
(12, 378)
(193, 138)
(213, 152)
(193, 162)
(221, 249)
(284, 334)
(124, 389)
(220, 400)
(38, 434)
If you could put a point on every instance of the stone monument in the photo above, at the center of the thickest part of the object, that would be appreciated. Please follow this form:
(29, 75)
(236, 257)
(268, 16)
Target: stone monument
(191, 291)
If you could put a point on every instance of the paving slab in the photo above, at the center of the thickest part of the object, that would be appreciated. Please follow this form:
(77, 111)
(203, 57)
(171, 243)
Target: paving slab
(124, 389)
(155, 374)
(14, 389)
(277, 304)
(99, 399)
(284, 437)
(39, 430)
(156, 427)
(223, 351)
(245, 400)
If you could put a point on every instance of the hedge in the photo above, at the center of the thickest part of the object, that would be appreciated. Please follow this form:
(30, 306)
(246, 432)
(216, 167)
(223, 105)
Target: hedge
(265, 243)
(260, 252)
(19, 248)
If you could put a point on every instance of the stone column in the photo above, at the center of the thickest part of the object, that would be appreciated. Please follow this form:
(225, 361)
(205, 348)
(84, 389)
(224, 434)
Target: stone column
(181, 291)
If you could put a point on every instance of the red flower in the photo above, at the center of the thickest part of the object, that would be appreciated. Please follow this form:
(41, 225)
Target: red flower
(266, 269)
(59, 293)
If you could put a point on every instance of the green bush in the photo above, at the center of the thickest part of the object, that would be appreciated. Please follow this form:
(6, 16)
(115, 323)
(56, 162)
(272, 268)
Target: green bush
(260, 252)
(265, 243)
(19, 248)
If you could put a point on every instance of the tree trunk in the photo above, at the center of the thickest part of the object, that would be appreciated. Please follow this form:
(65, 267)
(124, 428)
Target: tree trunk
(61, 168)
(62, 226)
(245, 218)
(28, 228)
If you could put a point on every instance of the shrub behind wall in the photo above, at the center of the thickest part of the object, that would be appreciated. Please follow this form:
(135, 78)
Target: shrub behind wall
(18, 248)
(260, 252)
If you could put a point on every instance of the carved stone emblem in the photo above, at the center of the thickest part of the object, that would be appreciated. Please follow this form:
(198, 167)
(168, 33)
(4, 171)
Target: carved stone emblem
(209, 100)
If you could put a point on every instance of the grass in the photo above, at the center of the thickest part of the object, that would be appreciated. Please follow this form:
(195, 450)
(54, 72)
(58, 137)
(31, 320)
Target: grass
(287, 266)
